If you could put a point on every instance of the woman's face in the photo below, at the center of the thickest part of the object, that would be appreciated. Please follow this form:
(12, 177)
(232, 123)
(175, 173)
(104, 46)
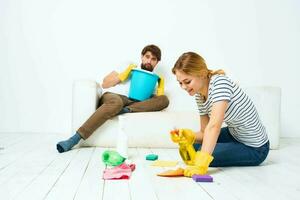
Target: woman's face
(191, 84)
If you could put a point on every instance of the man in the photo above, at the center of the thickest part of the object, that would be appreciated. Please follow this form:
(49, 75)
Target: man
(112, 104)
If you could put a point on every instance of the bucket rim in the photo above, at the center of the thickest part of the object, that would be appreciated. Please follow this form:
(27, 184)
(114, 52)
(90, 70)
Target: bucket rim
(145, 71)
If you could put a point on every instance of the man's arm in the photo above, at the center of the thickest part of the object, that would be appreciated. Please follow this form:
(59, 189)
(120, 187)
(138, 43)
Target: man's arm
(161, 86)
(111, 80)
(115, 78)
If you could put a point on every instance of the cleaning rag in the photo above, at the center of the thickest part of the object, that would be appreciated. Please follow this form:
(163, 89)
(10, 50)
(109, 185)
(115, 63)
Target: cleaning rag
(122, 171)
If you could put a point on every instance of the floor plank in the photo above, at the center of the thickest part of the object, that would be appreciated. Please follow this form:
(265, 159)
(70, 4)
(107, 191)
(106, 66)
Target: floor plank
(69, 181)
(92, 182)
(13, 151)
(140, 185)
(42, 184)
(17, 176)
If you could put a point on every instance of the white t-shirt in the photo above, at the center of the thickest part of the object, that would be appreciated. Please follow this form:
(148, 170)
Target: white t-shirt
(121, 88)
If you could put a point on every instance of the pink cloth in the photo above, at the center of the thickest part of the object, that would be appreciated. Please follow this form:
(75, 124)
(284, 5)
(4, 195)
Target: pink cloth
(122, 171)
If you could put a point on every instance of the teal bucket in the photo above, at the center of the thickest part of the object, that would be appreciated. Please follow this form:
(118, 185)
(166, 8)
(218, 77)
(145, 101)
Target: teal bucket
(142, 84)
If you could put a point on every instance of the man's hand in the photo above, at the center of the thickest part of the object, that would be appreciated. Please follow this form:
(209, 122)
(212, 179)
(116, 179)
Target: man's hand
(124, 75)
(201, 164)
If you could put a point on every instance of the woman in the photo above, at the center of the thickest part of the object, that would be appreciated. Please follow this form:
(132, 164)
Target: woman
(244, 142)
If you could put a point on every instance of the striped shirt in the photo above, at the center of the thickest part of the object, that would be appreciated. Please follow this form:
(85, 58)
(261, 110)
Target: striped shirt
(241, 116)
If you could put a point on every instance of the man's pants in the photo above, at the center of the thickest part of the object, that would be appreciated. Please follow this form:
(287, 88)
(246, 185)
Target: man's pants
(110, 104)
(230, 152)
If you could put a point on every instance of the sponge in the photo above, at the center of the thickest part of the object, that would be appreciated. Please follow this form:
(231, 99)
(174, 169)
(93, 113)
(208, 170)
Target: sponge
(202, 178)
(151, 157)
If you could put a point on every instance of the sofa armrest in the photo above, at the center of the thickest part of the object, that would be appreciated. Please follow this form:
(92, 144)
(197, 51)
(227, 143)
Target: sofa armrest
(84, 101)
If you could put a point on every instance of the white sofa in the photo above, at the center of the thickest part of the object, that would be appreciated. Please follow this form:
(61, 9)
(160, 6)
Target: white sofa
(151, 129)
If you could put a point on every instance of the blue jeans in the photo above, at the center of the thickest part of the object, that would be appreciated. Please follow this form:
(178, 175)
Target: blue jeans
(230, 152)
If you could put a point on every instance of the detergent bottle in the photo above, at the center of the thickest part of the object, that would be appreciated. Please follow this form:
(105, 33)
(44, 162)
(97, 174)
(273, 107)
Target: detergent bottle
(122, 142)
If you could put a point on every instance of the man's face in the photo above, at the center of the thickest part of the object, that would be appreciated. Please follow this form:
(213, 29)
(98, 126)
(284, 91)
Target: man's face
(149, 61)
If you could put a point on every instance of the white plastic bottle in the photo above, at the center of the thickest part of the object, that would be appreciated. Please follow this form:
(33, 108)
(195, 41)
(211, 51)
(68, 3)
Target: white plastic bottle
(122, 142)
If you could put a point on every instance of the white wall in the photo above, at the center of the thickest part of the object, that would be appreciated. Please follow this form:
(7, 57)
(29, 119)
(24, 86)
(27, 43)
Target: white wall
(46, 44)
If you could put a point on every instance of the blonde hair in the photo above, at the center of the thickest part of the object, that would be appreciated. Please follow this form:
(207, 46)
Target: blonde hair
(193, 64)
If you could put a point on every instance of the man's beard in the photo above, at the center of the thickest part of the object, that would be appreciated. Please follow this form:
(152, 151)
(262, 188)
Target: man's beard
(147, 67)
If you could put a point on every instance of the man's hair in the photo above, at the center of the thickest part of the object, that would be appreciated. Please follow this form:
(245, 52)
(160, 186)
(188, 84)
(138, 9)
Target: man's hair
(153, 49)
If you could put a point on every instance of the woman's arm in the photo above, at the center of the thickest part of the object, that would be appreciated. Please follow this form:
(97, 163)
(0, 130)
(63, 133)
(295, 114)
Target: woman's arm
(212, 130)
(203, 123)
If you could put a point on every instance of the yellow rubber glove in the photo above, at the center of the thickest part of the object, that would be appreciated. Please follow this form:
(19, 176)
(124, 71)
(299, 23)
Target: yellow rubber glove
(188, 134)
(185, 138)
(201, 163)
(181, 135)
(124, 75)
(161, 86)
(175, 136)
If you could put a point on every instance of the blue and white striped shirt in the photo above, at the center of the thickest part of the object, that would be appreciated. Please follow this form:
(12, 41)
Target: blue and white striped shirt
(241, 115)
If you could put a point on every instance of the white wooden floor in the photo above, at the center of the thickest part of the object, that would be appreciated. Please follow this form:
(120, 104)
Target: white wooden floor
(31, 168)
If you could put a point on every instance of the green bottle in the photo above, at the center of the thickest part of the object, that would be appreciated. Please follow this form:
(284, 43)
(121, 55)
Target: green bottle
(112, 158)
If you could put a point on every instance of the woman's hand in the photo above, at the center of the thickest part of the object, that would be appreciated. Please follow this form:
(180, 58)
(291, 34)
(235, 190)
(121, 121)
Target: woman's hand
(185, 138)
(183, 135)
(201, 164)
